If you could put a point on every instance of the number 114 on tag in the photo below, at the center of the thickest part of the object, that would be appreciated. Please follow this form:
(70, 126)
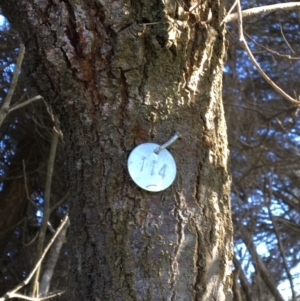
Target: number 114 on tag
(150, 170)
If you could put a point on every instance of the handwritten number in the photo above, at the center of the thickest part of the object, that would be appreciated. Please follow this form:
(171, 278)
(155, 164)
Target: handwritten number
(162, 171)
(152, 172)
(144, 158)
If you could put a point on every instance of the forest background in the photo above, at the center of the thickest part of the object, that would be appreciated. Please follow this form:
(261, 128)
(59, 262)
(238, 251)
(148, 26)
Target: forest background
(264, 143)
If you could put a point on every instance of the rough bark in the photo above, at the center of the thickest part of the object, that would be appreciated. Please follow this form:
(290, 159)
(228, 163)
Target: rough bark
(115, 82)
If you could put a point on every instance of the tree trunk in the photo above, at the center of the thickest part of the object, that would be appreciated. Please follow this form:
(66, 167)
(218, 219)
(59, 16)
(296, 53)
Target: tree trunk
(121, 73)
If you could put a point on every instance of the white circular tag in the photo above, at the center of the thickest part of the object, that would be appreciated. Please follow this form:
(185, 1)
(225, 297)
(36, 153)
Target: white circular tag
(151, 171)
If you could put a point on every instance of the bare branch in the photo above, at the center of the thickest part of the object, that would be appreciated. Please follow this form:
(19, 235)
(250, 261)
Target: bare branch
(13, 295)
(281, 31)
(50, 227)
(6, 109)
(229, 12)
(236, 289)
(287, 56)
(6, 103)
(248, 13)
(65, 197)
(24, 103)
(281, 249)
(47, 210)
(288, 223)
(13, 84)
(26, 187)
(252, 58)
(259, 264)
(26, 281)
(27, 244)
(243, 279)
(52, 258)
(279, 242)
(14, 226)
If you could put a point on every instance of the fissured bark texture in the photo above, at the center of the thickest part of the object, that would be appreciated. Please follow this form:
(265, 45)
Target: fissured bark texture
(120, 73)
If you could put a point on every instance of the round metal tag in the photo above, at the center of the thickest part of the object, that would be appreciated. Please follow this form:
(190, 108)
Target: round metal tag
(151, 171)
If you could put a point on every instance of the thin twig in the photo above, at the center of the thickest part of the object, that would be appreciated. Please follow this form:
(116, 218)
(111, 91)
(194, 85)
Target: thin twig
(50, 168)
(24, 103)
(50, 227)
(4, 110)
(288, 272)
(252, 58)
(152, 23)
(252, 12)
(27, 244)
(26, 281)
(14, 81)
(40, 125)
(13, 295)
(279, 242)
(50, 264)
(229, 12)
(14, 226)
(287, 56)
(65, 197)
(240, 21)
(259, 264)
(288, 223)
(47, 211)
(26, 187)
(243, 279)
(281, 31)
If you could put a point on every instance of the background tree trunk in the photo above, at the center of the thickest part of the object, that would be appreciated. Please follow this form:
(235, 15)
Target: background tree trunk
(116, 81)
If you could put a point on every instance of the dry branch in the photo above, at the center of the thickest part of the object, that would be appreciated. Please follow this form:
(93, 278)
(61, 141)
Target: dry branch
(259, 264)
(14, 295)
(50, 264)
(255, 63)
(279, 242)
(243, 279)
(6, 108)
(24, 103)
(11, 294)
(47, 209)
(6, 103)
(252, 12)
